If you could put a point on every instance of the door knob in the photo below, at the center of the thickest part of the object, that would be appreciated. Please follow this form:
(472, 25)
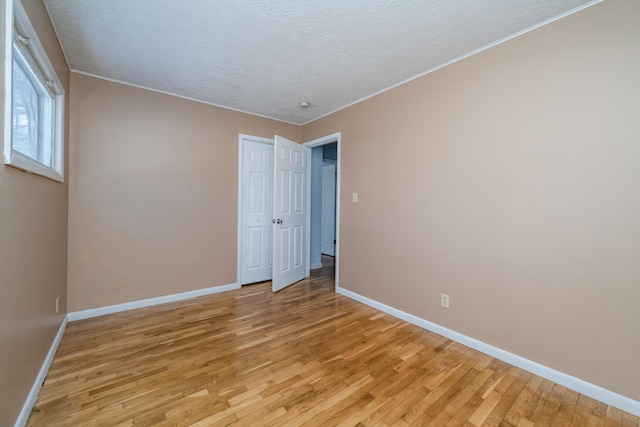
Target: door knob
(279, 221)
(273, 221)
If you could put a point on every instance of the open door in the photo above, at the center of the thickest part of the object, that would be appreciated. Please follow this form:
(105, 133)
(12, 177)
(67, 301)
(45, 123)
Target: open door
(290, 205)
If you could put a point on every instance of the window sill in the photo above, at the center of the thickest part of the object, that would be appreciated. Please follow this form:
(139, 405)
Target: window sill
(29, 165)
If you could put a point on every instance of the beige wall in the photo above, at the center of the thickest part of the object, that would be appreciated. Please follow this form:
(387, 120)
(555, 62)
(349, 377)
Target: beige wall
(508, 180)
(511, 181)
(153, 192)
(33, 255)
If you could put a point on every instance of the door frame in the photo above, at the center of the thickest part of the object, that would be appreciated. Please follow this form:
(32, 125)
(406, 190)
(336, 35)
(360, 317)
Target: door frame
(241, 138)
(318, 142)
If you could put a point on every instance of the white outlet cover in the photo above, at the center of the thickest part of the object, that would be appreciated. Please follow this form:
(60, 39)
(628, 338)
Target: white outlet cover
(444, 300)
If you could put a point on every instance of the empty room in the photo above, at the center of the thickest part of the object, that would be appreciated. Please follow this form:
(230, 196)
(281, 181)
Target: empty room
(285, 213)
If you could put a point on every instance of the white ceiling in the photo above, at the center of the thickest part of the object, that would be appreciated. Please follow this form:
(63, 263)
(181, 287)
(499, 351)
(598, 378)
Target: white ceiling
(266, 56)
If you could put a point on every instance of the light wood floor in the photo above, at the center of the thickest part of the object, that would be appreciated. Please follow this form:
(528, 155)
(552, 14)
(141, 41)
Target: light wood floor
(303, 356)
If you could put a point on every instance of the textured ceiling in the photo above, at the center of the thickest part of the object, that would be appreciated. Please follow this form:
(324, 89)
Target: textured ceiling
(266, 56)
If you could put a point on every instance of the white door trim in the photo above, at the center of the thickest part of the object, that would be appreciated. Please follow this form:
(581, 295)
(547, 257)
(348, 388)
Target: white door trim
(241, 139)
(334, 137)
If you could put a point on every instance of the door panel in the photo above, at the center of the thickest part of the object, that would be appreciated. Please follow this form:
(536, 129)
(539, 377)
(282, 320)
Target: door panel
(256, 235)
(297, 246)
(292, 167)
(284, 251)
(285, 191)
(257, 188)
(298, 191)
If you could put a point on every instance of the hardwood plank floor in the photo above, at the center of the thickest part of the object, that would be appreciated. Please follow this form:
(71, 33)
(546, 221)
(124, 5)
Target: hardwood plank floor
(302, 356)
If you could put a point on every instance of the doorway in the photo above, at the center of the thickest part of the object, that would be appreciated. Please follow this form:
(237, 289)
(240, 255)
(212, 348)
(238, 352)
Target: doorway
(259, 256)
(325, 159)
(323, 203)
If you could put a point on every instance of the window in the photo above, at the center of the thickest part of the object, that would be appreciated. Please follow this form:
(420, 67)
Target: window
(34, 112)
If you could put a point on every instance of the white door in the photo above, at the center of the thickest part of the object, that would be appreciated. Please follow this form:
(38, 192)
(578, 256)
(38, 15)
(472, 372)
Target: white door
(328, 227)
(257, 211)
(290, 206)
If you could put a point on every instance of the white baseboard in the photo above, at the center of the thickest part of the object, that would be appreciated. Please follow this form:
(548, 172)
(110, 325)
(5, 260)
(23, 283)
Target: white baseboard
(591, 390)
(37, 385)
(315, 266)
(101, 311)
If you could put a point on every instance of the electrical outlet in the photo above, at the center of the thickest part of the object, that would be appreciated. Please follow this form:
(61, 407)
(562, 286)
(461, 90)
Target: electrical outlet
(57, 305)
(354, 197)
(444, 300)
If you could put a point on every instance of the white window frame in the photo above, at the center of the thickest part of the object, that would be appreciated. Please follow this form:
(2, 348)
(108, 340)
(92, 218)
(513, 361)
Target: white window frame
(18, 28)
